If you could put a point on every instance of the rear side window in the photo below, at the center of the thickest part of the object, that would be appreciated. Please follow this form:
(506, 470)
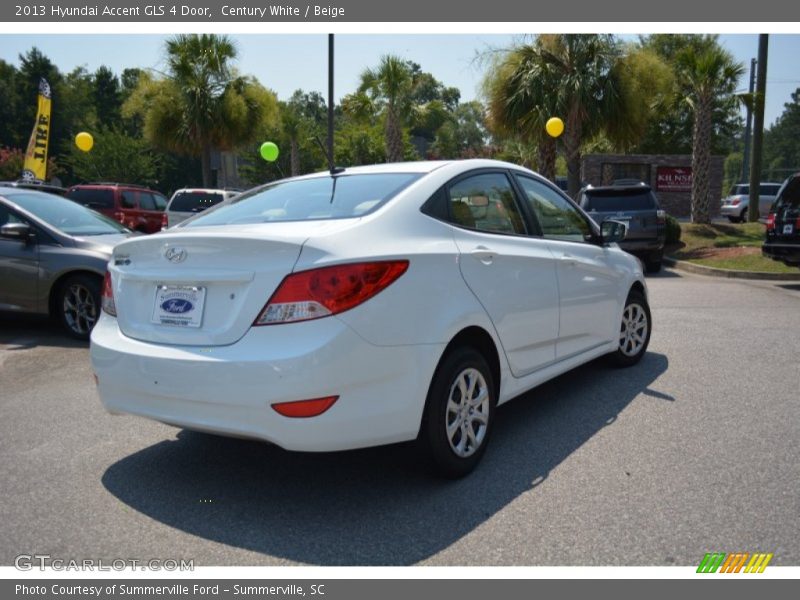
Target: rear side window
(618, 201)
(486, 202)
(317, 198)
(739, 190)
(146, 201)
(768, 189)
(161, 201)
(194, 201)
(129, 199)
(93, 198)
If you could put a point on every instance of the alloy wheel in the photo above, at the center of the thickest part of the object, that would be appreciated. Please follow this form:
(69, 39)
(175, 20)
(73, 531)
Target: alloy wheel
(467, 416)
(633, 330)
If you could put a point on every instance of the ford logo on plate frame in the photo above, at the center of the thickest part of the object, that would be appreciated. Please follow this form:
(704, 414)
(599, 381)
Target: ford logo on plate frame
(175, 254)
(177, 306)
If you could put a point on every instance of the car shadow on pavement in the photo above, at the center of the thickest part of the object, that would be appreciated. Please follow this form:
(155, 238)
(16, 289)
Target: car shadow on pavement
(22, 332)
(379, 506)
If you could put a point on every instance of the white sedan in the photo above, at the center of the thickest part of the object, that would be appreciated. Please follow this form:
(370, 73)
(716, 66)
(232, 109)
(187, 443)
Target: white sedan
(367, 306)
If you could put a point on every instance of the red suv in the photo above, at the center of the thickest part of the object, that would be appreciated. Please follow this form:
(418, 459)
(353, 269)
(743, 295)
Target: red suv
(135, 206)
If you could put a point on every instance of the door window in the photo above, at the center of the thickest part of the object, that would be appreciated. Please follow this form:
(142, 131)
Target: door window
(558, 218)
(128, 199)
(486, 202)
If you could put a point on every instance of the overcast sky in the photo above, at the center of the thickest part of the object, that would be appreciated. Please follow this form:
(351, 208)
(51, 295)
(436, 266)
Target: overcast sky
(285, 63)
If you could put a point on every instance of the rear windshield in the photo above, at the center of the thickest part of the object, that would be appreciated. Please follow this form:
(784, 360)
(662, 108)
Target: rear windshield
(194, 201)
(616, 201)
(740, 190)
(93, 198)
(790, 197)
(65, 215)
(335, 197)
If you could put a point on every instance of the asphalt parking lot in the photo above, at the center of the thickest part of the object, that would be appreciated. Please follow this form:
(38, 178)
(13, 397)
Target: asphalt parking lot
(696, 449)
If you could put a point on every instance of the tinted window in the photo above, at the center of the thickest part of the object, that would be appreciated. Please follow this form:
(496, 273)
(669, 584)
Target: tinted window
(66, 216)
(485, 202)
(790, 196)
(93, 198)
(194, 201)
(740, 190)
(768, 189)
(161, 201)
(128, 199)
(558, 218)
(616, 201)
(146, 201)
(339, 197)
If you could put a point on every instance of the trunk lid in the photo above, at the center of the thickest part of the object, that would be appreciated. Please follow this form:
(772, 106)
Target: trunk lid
(214, 287)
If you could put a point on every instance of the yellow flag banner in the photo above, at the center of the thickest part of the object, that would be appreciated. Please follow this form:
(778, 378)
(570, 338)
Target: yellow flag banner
(35, 168)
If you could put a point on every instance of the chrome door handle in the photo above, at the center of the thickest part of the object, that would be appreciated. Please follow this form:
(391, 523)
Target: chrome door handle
(483, 254)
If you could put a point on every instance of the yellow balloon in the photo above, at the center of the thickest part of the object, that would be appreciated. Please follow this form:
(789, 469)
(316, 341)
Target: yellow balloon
(84, 141)
(554, 127)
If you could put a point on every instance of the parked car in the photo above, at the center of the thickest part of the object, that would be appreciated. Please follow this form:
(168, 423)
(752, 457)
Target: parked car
(136, 207)
(35, 185)
(53, 255)
(783, 225)
(735, 204)
(367, 306)
(636, 205)
(187, 202)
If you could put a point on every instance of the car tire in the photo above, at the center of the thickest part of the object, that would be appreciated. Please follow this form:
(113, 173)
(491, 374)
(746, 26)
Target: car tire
(77, 304)
(459, 413)
(634, 333)
(743, 216)
(653, 264)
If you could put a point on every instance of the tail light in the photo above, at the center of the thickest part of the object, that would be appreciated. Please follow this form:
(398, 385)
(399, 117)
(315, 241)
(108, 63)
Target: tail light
(735, 202)
(107, 300)
(328, 291)
(771, 222)
(661, 217)
(302, 409)
(164, 221)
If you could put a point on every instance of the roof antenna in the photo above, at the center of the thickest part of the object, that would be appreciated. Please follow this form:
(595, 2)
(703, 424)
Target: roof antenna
(331, 167)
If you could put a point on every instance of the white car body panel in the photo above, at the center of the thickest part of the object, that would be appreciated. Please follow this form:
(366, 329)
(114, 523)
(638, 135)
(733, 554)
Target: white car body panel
(543, 314)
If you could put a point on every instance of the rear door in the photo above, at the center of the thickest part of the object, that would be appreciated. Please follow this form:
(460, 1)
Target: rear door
(588, 285)
(152, 209)
(512, 274)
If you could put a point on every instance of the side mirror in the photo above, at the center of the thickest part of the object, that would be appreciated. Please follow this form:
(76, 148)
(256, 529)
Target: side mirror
(612, 231)
(16, 231)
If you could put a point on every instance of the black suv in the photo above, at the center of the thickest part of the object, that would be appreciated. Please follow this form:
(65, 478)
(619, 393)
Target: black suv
(636, 205)
(783, 225)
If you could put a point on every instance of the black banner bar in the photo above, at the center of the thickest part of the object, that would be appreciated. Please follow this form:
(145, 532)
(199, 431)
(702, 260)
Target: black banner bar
(472, 11)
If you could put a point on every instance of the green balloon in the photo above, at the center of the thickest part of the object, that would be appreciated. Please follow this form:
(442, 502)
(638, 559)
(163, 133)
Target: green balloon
(269, 151)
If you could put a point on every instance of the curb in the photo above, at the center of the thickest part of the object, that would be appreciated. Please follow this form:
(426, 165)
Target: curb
(683, 265)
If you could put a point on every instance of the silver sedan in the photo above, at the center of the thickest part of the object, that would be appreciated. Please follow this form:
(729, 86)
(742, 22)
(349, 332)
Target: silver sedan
(53, 255)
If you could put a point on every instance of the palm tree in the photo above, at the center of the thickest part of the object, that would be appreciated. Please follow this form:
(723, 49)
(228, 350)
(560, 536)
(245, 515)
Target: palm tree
(390, 86)
(202, 104)
(591, 81)
(709, 76)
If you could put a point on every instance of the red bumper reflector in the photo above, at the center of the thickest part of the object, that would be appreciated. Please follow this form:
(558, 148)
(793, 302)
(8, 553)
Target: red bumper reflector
(302, 409)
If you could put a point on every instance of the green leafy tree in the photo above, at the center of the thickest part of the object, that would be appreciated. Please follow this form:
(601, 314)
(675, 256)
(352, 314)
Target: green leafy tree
(782, 141)
(594, 83)
(115, 156)
(107, 97)
(707, 76)
(671, 131)
(389, 86)
(202, 104)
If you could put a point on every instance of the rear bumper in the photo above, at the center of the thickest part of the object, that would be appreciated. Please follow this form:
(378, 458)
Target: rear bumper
(642, 246)
(786, 253)
(733, 211)
(229, 390)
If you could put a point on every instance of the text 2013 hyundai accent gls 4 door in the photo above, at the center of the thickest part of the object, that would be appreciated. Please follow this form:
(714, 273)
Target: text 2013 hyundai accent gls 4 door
(368, 306)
